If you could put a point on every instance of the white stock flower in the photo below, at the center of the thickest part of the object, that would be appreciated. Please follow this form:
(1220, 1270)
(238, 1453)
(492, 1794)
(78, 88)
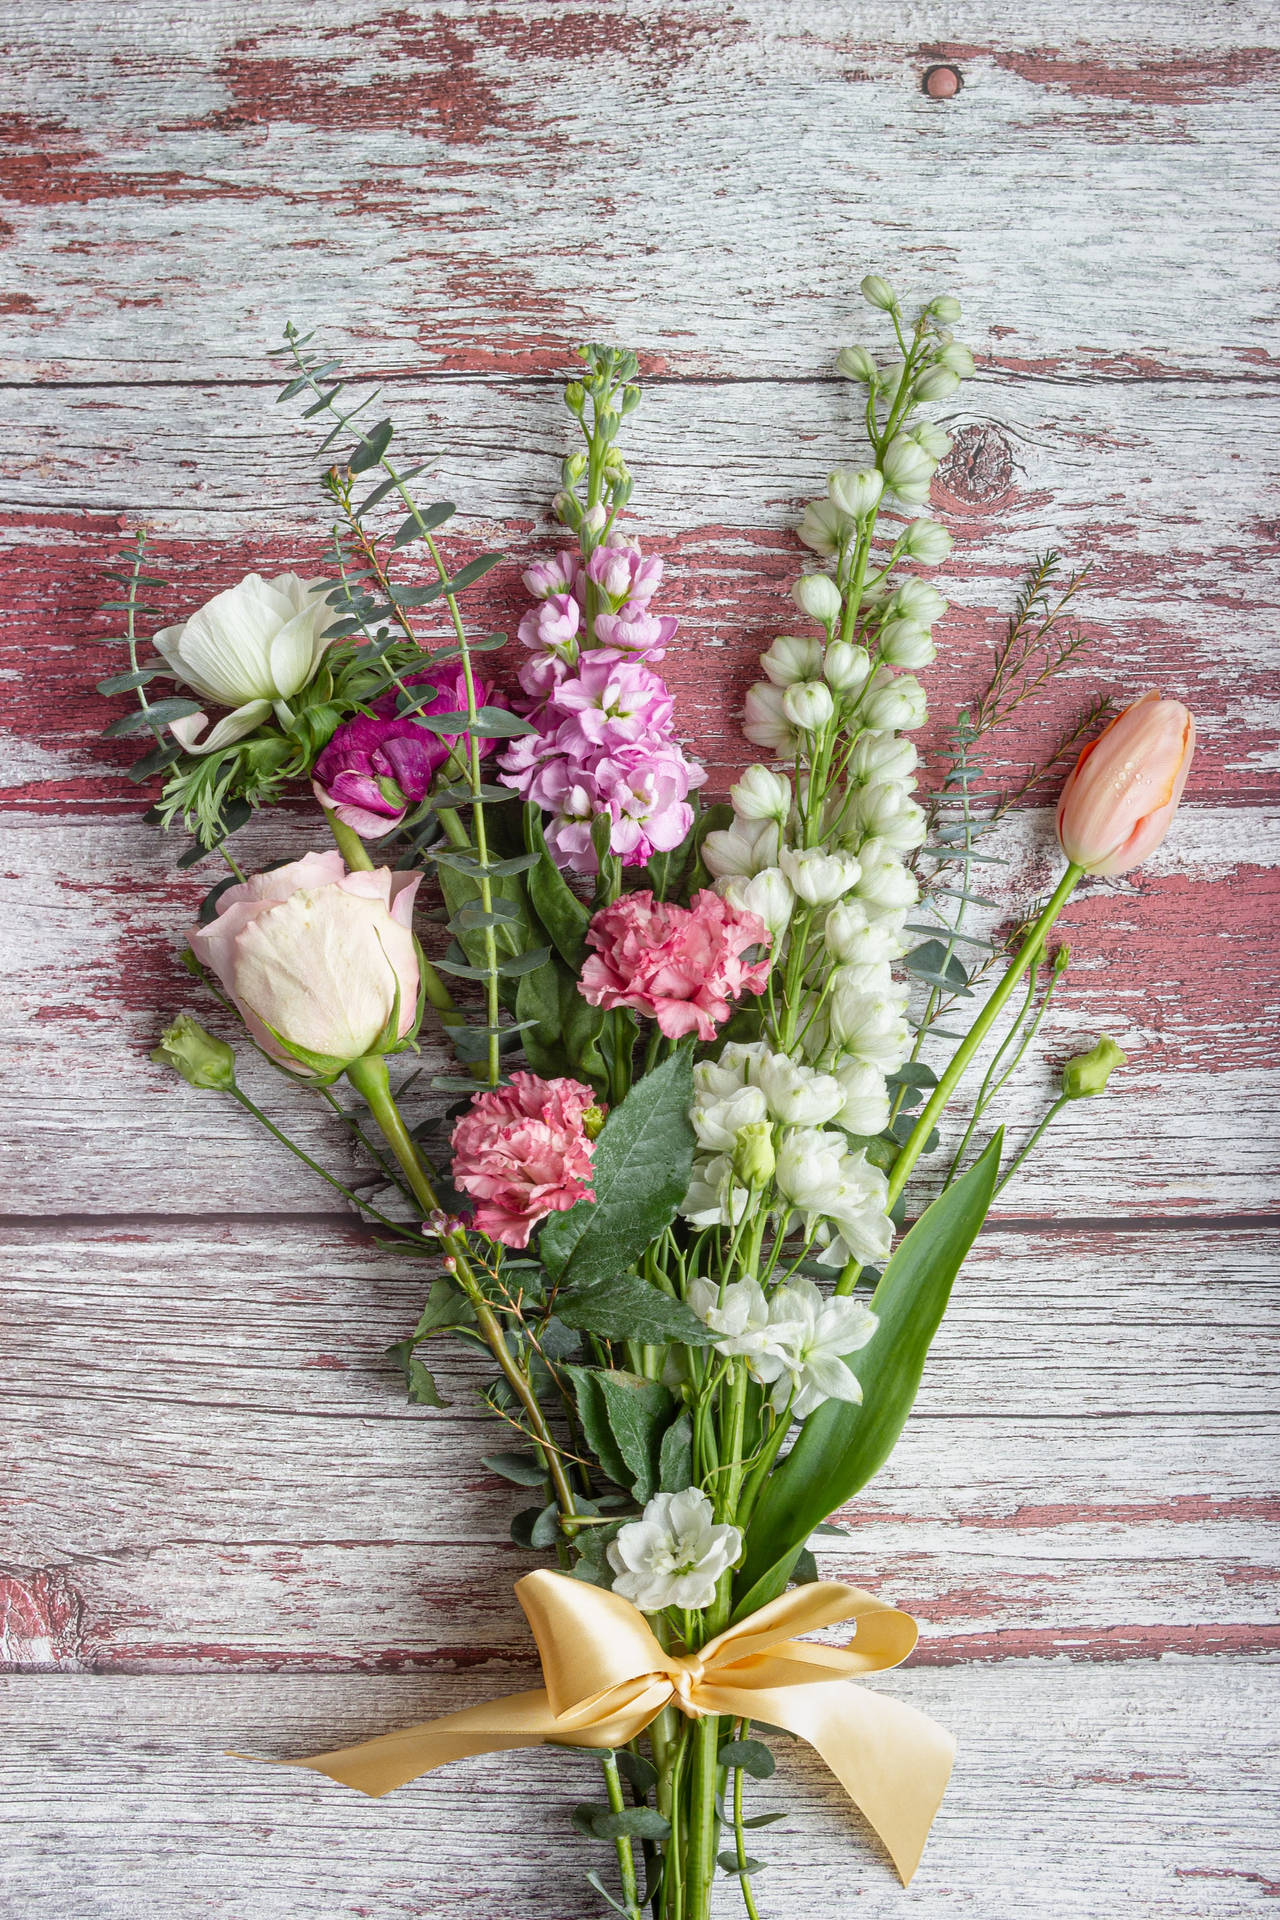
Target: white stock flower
(884, 881)
(714, 1079)
(823, 526)
(854, 938)
(716, 1120)
(869, 1026)
(866, 1097)
(935, 442)
(674, 1555)
(796, 1094)
(883, 756)
(809, 1337)
(817, 877)
(763, 722)
(745, 848)
(908, 469)
(713, 1199)
(791, 658)
(809, 1167)
(926, 541)
(251, 649)
(761, 794)
(886, 812)
(740, 1318)
(856, 492)
(808, 705)
(894, 702)
(905, 644)
(767, 893)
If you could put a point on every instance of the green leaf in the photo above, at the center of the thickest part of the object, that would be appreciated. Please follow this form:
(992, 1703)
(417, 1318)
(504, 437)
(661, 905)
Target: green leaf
(490, 723)
(564, 916)
(640, 1174)
(520, 1468)
(371, 448)
(384, 487)
(629, 1308)
(640, 1823)
(675, 1456)
(474, 570)
(751, 1755)
(729, 1862)
(158, 714)
(597, 1885)
(447, 1306)
(635, 1768)
(418, 525)
(126, 682)
(536, 1526)
(912, 1073)
(594, 1420)
(638, 1411)
(840, 1445)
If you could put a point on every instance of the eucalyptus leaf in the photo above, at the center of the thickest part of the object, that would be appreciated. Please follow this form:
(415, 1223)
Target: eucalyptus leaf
(752, 1756)
(158, 714)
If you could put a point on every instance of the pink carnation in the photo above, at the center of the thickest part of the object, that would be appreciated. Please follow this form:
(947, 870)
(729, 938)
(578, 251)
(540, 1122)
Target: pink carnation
(521, 1152)
(682, 965)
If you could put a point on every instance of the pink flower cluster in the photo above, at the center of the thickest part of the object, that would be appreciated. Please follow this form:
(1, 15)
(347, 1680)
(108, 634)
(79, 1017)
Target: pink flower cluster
(681, 965)
(605, 742)
(522, 1152)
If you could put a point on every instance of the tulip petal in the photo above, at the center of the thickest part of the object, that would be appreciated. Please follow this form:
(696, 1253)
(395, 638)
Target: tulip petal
(233, 727)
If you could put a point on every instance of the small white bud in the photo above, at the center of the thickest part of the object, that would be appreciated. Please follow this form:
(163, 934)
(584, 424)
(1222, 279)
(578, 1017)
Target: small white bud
(818, 878)
(855, 363)
(878, 293)
(808, 705)
(946, 309)
(595, 519)
(931, 439)
(856, 493)
(823, 526)
(908, 469)
(936, 383)
(761, 795)
(904, 644)
(957, 359)
(817, 595)
(767, 893)
(764, 723)
(845, 667)
(918, 601)
(889, 378)
(882, 756)
(926, 541)
(792, 658)
(897, 704)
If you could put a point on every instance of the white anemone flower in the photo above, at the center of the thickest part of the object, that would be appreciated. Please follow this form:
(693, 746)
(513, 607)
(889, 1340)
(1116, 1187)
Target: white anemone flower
(740, 1318)
(252, 649)
(809, 1338)
(674, 1555)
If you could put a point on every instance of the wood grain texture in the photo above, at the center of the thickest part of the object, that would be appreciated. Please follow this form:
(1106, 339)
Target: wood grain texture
(223, 1526)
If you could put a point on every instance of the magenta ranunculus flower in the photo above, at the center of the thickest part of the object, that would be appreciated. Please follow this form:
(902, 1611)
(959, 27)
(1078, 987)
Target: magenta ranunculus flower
(376, 767)
(522, 1152)
(684, 966)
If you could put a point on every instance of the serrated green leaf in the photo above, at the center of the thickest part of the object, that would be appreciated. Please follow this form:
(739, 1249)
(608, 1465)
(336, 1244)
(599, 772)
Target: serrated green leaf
(638, 1412)
(675, 1456)
(629, 1308)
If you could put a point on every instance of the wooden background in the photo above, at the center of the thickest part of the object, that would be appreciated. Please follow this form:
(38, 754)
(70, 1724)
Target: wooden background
(223, 1526)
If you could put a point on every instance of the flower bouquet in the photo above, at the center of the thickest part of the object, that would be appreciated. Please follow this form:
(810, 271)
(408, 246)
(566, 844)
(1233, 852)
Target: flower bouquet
(695, 1054)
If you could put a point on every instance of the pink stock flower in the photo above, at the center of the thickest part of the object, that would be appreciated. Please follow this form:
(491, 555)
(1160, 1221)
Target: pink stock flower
(633, 629)
(522, 1152)
(682, 965)
(611, 702)
(621, 571)
(552, 625)
(377, 766)
(559, 575)
(1124, 789)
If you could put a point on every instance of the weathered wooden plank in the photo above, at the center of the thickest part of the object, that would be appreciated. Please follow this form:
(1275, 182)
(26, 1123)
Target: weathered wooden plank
(500, 178)
(1078, 1794)
(238, 1481)
(1172, 961)
(1186, 574)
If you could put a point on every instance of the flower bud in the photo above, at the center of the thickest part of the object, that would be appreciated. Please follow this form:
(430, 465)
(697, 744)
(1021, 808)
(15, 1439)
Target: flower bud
(1087, 1074)
(907, 468)
(856, 493)
(957, 358)
(761, 795)
(889, 379)
(595, 519)
(201, 1059)
(936, 383)
(945, 309)
(792, 658)
(817, 877)
(753, 1156)
(855, 363)
(845, 666)
(878, 293)
(593, 1119)
(904, 644)
(897, 704)
(881, 756)
(575, 396)
(817, 595)
(808, 705)
(572, 469)
(918, 601)
(823, 526)
(926, 541)
(767, 893)
(1124, 789)
(764, 723)
(932, 440)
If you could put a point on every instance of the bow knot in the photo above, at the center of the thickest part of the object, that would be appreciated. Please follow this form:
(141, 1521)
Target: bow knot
(608, 1676)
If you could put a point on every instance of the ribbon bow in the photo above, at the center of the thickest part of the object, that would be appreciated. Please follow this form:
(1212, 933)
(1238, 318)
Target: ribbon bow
(607, 1677)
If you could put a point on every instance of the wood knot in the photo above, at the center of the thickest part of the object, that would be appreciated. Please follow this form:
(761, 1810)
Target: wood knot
(979, 467)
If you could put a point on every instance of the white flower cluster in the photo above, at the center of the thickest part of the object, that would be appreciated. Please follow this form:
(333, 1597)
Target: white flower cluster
(674, 1554)
(808, 1112)
(795, 1341)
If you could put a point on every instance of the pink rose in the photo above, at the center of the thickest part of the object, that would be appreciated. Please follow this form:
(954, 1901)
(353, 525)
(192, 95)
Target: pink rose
(682, 965)
(522, 1152)
(313, 957)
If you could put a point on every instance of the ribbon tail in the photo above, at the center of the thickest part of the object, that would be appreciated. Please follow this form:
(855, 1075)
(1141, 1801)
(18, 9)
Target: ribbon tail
(391, 1760)
(892, 1761)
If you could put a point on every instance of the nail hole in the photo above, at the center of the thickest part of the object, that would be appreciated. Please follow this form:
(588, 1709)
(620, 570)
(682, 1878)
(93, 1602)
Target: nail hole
(942, 83)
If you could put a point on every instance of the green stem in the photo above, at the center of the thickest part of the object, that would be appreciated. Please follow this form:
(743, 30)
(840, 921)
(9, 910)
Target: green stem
(349, 844)
(626, 1858)
(700, 1851)
(250, 1106)
(1049, 1118)
(369, 1078)
(1031, 946)
(739, 1835)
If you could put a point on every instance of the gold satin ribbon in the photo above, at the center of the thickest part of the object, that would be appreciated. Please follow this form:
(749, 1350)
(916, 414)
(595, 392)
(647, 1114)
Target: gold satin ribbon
(607, 1677)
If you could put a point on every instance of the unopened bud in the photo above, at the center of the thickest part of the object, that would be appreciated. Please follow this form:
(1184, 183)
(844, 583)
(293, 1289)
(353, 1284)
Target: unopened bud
(856, 493)
(931, 440)
(926, 541)
(753, 1156)
(903, 643)
(566, 509)
(630, 399)
(878, 293)
(201, 1059)
(946, 309)
(575, 396)
(808, 705)
(1088, 1073)
(845, 666)
(908, 469)
(593, 1121)
(572, 469)
(855, 363)
(936, 383)
(957, 358)
(761, 794)
(817, 595)
(595, 519)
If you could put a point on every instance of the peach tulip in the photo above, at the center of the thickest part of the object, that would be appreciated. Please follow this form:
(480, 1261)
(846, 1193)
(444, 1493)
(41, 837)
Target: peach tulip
(316, 959)
(1124, 789)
